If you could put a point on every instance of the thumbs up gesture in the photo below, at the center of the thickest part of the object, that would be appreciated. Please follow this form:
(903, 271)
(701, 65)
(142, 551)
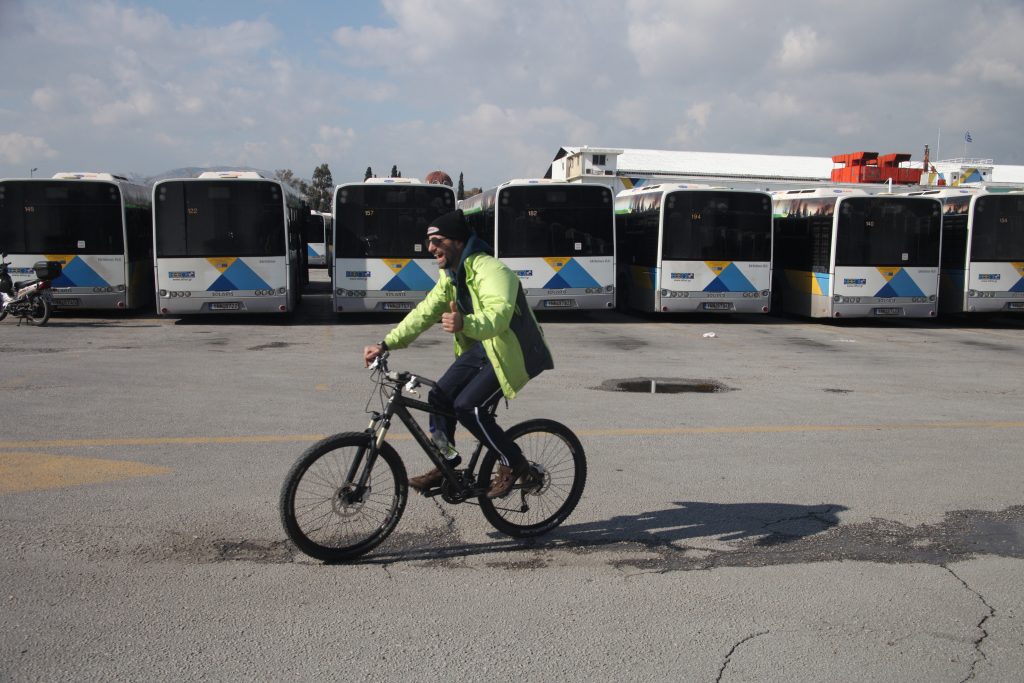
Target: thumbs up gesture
(451, 321)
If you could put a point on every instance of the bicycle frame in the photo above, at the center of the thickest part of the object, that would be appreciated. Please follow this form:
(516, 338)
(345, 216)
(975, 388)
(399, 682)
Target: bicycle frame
(459, 487)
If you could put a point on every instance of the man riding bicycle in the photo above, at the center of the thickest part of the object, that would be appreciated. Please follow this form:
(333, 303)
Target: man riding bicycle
(499, 346)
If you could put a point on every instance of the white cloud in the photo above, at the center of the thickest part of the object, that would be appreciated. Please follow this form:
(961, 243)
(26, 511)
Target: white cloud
(136, 108)
(45, 99)
(800, 48)
(333, 142)
(23, 149)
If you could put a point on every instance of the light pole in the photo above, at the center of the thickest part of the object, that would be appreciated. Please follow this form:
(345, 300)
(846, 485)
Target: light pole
(32, 173)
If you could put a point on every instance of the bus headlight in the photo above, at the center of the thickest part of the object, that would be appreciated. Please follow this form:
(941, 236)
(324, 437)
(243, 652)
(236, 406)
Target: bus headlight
(972, 292)
(281, 291)
(765, 292)
(931, 298)
(163, 293)
(609, 288)
(838, 299)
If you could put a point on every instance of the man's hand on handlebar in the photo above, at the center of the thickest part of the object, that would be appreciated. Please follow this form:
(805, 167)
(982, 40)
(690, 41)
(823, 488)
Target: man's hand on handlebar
(370, 354)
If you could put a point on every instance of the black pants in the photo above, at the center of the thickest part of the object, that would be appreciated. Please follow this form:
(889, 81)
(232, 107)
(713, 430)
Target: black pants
(469, 388)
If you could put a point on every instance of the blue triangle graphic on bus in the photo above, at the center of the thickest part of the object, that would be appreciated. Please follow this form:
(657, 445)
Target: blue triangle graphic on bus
(411, 277)
(237, 276)
(1019, 287)
(735, 280)
(79, 274)
(716, 285)
(571, 275)
(901, 284)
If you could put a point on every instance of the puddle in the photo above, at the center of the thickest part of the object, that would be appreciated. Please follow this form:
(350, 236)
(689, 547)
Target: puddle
(664, 385)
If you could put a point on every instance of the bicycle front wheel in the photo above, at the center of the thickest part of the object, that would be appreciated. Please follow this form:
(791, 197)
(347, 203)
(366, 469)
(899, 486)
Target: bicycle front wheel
(325, 511)
(550, 493)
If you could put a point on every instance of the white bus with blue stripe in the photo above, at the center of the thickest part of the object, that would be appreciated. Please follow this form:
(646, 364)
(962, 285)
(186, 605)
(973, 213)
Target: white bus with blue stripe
(380, 260)
(844, 253)
(686, 248)
(558, 237)
(982, 250)
(319, 229)
(227, 242)
(96, 225)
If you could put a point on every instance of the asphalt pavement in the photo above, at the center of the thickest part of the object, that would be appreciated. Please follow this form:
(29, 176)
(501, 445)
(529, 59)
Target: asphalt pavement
(815, 502)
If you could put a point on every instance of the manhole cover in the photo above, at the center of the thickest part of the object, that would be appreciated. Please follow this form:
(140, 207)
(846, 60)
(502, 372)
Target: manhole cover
(664, 385)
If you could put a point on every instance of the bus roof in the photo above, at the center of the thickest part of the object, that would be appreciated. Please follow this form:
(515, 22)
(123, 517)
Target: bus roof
(669, 187)
(390, 181)
(946, 192)
(817, 192)
(87, 175)
(230, 175)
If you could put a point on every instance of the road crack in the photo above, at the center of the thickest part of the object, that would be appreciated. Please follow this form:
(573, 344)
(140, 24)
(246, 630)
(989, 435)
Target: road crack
(731, 652)
(979, 654)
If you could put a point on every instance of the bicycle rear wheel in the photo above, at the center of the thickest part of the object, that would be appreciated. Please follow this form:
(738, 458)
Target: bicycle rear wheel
(327, 515)
(551, 492)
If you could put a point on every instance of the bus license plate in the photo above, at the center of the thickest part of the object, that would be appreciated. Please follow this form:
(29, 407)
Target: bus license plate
(65, 301)
(717, 306)
(1015, 305)
(225, 306)
(558, 303)
(889, 310)
(397, 305)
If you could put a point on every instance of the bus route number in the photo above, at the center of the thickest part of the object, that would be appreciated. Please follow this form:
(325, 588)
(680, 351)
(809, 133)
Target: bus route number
(532, 213)
(695, 216)
(193, 211)
(30, 209)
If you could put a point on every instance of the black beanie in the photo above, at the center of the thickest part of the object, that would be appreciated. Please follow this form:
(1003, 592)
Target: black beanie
(451, 224)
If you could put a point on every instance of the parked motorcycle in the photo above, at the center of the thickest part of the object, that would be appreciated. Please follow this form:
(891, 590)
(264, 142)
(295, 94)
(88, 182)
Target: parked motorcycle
(28, 299)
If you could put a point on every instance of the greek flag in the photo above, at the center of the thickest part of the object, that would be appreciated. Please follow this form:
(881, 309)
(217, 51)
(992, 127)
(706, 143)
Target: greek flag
(967, 137)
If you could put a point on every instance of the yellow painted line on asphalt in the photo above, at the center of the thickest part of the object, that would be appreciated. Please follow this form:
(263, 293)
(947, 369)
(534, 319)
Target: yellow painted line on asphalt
(612, 431)
(323, 387)
(31, 471)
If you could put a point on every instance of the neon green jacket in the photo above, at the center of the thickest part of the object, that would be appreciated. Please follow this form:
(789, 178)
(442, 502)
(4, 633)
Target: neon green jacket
(500, 318)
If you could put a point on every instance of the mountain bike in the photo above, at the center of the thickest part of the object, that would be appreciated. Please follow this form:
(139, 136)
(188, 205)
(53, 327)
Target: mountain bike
(346, 493)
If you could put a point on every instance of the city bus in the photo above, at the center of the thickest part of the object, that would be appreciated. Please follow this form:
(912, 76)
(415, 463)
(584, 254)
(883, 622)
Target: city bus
(381, 262)
(844, 253)
(96, 225)
(228, 242)
(558, 237)
(693, 248)
(319, 233)
(982, 250)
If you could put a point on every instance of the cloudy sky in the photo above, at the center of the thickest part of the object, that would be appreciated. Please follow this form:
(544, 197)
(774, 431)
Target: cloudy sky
(492, 88)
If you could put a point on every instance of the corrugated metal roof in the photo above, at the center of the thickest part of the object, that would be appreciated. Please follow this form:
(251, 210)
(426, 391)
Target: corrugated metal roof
(722, 164)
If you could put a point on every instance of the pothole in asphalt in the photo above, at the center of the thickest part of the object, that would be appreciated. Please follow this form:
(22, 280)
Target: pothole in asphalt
(664, 385)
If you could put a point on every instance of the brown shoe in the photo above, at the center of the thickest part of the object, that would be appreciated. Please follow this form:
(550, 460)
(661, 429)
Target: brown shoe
(427, 480)
(503, 481)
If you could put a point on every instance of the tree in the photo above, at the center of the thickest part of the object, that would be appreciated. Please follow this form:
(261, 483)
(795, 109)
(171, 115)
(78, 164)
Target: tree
(286, 176)
(321, 188)
(395, 173)
(369, 173)
(461, 193)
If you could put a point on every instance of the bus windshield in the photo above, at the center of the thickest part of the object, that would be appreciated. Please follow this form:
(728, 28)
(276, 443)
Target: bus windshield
(315, 229)
(61, 217)
(998, 232)
(387, 221)
(717, 226)
(539, 220)
(219, 218)
(888, 231)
